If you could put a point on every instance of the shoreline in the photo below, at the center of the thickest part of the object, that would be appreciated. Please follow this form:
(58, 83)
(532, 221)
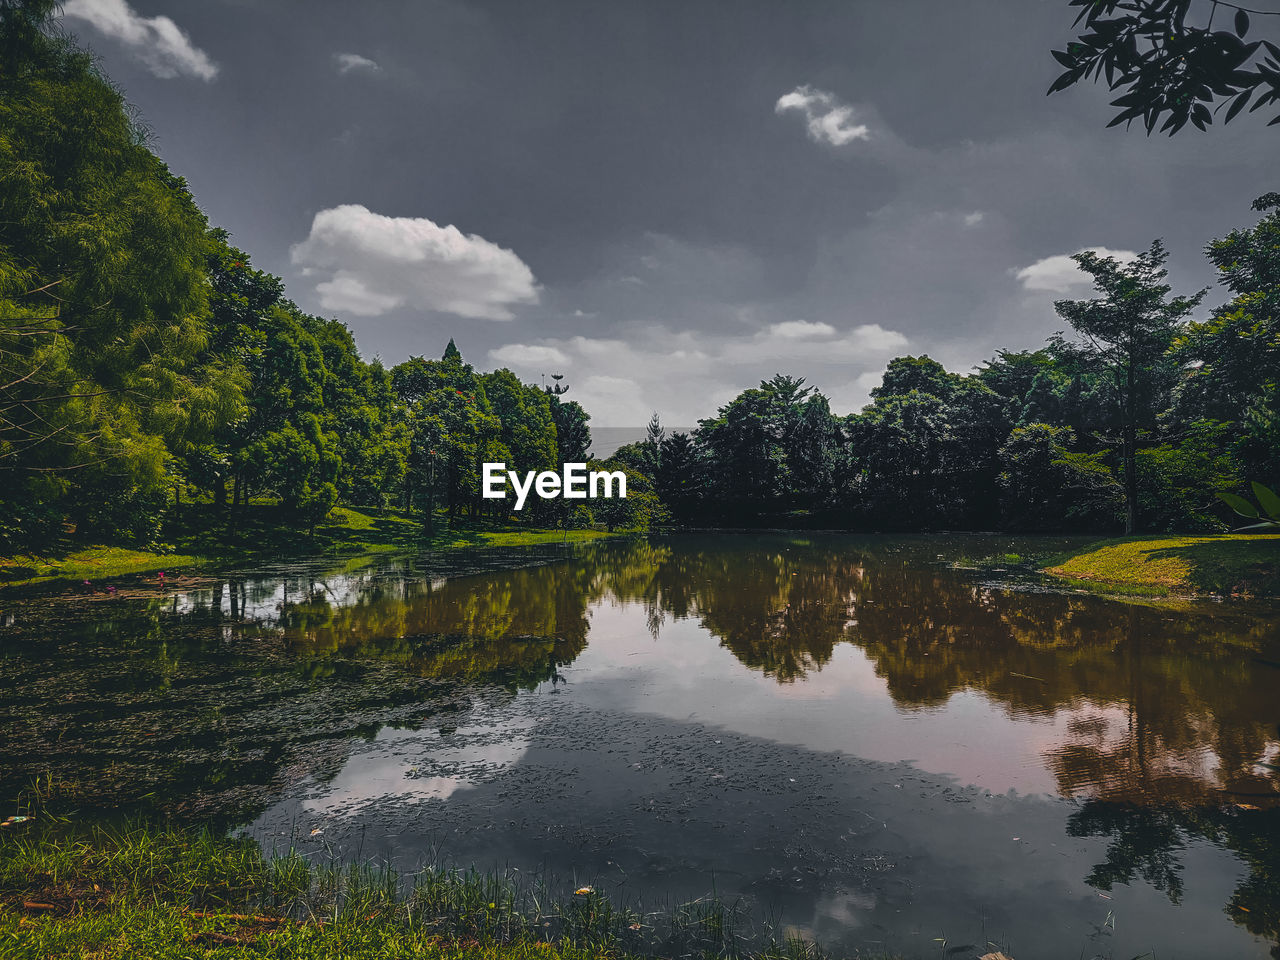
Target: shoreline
(1202, 566)
(145, 890)
(203, 541)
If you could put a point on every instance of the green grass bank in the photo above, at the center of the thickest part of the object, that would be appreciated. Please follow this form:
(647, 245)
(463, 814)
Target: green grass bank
(1234, 564)
(139, 891)
(200, 537)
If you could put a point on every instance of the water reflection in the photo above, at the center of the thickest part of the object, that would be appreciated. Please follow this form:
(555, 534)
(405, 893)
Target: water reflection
(415, 683)
(1154, 703)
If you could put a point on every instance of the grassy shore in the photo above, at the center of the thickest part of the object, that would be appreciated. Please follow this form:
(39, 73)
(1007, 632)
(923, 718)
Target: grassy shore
(200, 537)
(161, 892)
(1233, 564)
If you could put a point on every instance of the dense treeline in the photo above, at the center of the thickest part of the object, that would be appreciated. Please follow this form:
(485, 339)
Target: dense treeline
(144, 361)
(144, 358)
(1132, 422)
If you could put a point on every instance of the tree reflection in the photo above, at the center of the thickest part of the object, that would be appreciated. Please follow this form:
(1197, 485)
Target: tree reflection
(1159, 702)
(1148, 843)
(514, 628)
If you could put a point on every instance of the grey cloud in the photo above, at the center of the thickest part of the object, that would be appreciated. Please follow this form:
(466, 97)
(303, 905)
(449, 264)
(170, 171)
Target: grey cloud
(592, 142)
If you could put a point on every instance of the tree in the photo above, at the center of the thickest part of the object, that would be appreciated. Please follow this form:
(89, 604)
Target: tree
(1234, 357)
(528, 430)
(453, 429)
(103, 298)
(573, 436)
(681, 478)
(1044, 486)
(1169, 67)
(638, 510)
(774, 448)
(1128, 332)
(924, 453)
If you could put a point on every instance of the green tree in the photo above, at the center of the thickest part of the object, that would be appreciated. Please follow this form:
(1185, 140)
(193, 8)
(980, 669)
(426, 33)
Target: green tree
(774, 448)
(527, 429)
(103, 301)
(573, 436)
(453, 431)
(1233, 359)
(681, 480)
(1128, 332)
(638, 510)
(1043, 486)
(926, 457)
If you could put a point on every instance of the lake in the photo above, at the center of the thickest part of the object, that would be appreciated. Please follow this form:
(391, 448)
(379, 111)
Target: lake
(848, 737)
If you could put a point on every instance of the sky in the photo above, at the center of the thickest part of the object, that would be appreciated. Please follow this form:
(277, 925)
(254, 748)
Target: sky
(664, 201)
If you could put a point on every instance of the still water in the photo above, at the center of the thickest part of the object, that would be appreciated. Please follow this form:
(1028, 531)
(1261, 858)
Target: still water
(855, 741)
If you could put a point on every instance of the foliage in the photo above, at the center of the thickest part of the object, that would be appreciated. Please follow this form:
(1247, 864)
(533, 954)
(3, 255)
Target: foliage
(103, 297)
(1267, 512)
(1169, 67)
(1233, 359)
(774, 447)
(1042, 483)
(926, 457)
(639, 510)
(1178, 480)
(1128, 332)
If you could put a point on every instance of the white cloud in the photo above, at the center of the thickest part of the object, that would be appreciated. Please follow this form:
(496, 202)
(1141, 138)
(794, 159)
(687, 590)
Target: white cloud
(353, 62)
(686, 375)
(973, 219)
(783, 345)
(801, 329)
(375, 263)
(527, 355)
(1061, 274)
(158, 42)
(826, 118)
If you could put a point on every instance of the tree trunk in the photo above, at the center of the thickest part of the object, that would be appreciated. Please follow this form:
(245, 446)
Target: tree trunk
(1128, 452)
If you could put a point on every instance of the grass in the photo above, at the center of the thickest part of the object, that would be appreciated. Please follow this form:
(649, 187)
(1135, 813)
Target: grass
(88, 563)
(163, 892)
(200, 537)
(1234, 564)
(995, 562)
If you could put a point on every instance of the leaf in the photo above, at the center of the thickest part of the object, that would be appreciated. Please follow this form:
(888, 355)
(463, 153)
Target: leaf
(1264, 525)
(1240, 505)
(1064, 81)
(1267, 499)
(1242, 23)
(1237, 105)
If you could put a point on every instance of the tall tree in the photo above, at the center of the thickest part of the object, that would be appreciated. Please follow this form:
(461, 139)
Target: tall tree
(1235, 356)
(774, 448)
(1128, 332)
(453, 428)
(103, 299)
(573, 436)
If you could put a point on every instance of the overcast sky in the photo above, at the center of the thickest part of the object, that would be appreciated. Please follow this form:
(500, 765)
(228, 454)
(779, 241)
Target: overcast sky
(667, 201)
